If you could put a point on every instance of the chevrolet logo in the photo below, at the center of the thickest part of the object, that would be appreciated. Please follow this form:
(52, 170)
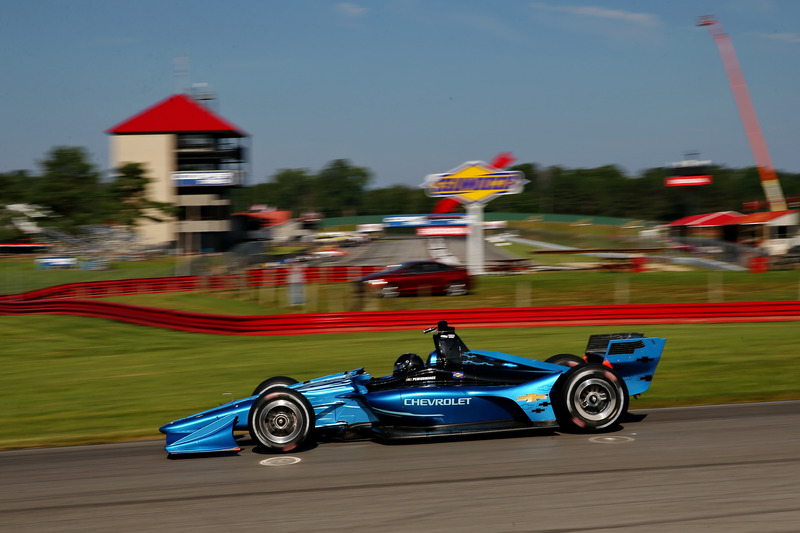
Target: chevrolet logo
(532, 397)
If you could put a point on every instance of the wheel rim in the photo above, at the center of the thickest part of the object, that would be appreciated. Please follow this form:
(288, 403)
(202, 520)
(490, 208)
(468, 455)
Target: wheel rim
(389, 291)
(595, 399)
(280, 421)
(456, 289)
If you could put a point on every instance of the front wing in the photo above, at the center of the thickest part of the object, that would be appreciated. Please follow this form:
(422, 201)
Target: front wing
(335, 398)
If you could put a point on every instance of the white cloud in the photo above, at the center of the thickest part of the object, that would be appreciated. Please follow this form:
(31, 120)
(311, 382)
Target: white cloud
(641, 19)
(350, 10)
(490, 25)
(784, 37)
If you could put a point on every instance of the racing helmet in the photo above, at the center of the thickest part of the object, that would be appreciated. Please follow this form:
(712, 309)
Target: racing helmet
(408, 362)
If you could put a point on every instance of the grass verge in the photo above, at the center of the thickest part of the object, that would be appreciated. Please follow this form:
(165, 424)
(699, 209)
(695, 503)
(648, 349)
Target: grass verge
(71, 380)
(541, 289)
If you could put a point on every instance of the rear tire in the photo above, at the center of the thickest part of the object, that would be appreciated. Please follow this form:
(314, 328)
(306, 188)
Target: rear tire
(590, 398)
(281, 419)
(565, 359)
(277, 381)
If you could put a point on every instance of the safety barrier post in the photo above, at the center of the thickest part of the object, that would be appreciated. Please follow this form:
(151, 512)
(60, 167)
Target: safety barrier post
(622, 290)
(715, 287)
(523, 294)
(267, 284)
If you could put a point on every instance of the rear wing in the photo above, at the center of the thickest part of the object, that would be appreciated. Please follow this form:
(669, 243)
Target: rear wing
(632, 355)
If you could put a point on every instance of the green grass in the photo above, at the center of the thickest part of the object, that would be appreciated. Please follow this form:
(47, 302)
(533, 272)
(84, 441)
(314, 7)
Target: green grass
(70, 380)
(19, 274)
(541, 289)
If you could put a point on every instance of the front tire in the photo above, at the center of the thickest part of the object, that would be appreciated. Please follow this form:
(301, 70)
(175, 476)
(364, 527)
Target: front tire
(281, 419)
(389, 291)
(271, 383)
(591, 398)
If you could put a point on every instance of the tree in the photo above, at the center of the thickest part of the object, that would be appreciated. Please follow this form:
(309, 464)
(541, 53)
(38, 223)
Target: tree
(291, 189)
(14, 187)
(261, 193)
(294, 189)
(653, 200)
(525, 202)
(397, 199)
(129, 190)
(70, 189)
(339, 188)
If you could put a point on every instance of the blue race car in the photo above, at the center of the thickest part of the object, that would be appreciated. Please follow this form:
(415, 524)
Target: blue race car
(457, 391)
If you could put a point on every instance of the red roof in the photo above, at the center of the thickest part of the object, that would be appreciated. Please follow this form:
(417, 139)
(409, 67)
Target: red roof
(177, 114)
(268, 218)
(685, 221)
(762, 218)
(708, 220)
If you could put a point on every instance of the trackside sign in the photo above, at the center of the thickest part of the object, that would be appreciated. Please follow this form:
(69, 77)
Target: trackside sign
(474, 182)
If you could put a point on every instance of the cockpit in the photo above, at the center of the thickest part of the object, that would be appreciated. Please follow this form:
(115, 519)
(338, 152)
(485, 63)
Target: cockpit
(451, 363)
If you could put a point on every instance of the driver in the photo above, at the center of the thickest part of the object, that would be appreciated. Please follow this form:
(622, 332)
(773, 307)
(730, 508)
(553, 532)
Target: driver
(406, 363)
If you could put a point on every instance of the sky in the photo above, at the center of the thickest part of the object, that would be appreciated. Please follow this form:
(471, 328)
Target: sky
(407, 88)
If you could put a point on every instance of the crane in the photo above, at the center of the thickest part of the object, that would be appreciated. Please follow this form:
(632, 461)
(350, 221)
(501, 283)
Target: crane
(769, 180)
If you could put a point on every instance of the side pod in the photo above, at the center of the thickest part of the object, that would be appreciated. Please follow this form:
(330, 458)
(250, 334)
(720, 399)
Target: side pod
(215, 437)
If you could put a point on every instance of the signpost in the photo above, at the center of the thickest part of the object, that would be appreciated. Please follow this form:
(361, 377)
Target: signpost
(474, 184)
(687, 173)
(206, 178)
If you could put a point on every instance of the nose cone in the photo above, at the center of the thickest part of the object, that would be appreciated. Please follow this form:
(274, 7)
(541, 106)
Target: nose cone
(186, 425)
(201, 434)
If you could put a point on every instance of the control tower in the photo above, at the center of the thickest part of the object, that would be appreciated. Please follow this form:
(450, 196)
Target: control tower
(195, 158)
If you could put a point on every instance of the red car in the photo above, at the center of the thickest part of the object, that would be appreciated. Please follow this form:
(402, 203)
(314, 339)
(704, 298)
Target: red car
(418, 278)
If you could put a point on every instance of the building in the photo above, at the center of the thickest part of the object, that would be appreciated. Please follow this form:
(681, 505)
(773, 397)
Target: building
(722, 225)
(264, 225)
(774, 232)
(195, 158)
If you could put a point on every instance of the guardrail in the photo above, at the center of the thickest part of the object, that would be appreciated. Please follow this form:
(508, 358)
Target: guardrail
(603, 315)
(251, 279)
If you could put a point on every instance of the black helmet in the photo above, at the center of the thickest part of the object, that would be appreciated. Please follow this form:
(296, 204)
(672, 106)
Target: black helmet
(408, 362)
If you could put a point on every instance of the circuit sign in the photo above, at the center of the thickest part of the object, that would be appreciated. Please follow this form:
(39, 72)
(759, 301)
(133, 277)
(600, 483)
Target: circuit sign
(474, 182)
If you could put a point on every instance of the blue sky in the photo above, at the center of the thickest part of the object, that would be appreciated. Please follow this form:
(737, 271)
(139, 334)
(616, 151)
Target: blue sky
(408, 87)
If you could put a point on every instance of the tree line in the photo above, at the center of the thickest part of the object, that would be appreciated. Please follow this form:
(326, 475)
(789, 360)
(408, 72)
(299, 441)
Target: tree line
(71, 193)
(341, 189)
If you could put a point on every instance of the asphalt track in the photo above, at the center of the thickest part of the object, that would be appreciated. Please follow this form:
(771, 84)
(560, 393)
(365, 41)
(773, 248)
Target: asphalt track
(732, 468)
(388, 252)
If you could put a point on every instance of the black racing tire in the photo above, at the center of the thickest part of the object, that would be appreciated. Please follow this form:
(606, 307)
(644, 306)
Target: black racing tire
(281, 419)
(277, 381)
(456, 289)
(565, 359)
(590, 397)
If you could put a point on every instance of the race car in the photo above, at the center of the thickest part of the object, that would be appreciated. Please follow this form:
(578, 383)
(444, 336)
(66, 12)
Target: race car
(455, 391)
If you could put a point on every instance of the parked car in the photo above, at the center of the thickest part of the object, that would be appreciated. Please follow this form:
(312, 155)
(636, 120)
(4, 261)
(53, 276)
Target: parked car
(417, 277)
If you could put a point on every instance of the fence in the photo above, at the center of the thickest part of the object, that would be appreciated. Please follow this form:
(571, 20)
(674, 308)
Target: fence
(251, 278)
(606, 315)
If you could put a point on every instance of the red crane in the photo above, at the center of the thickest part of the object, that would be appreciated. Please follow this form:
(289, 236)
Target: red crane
(769, 180)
